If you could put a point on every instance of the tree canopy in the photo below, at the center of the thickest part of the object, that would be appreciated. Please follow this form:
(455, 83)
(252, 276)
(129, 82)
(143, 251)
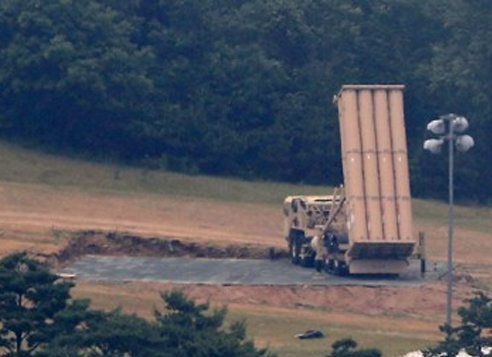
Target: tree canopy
(243, 87)
(30, 301)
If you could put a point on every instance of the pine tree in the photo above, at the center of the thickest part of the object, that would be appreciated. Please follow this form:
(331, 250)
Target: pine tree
(30, 299)
(191, 330)
(472, 335)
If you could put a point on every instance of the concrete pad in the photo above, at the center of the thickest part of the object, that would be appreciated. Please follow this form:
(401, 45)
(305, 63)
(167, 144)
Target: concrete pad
(231, 272)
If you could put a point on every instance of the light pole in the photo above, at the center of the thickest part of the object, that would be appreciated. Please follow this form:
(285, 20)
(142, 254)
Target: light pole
(446, 127)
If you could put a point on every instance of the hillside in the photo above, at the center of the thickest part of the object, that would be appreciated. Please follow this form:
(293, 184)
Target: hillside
(46, 199)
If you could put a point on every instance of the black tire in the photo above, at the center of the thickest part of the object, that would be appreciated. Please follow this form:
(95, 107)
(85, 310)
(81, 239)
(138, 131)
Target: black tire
(330, 266)
(308, 261)
(341, 269)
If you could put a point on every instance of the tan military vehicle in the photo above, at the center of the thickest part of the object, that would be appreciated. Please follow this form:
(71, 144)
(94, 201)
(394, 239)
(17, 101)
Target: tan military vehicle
(311, 217)
(365, 227)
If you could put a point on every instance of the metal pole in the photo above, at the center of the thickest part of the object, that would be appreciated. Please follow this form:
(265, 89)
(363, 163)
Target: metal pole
(433, 145)
(451, 224)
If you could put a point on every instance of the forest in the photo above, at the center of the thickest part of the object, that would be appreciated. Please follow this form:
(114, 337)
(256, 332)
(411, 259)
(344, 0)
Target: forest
(243, 88)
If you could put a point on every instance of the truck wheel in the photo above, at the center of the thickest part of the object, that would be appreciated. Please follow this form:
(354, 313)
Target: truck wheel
(341, 268)
(307, 261)
(330, 266)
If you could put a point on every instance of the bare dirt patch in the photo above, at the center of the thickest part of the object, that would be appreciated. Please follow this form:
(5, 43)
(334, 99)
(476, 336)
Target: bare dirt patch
(126, 244)
(41, 208)
(425, 301)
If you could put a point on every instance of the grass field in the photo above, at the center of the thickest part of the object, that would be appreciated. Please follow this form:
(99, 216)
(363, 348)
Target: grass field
(25, 166)
(44, 196)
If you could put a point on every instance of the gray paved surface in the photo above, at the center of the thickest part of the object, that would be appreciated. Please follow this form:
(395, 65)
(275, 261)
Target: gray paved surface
(230, 271)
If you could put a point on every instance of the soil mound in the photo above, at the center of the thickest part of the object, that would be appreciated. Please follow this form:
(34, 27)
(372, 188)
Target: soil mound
(124, 244)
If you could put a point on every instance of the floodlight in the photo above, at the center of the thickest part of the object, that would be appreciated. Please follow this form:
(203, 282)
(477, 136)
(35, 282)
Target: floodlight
(464, 142)
(437, 127)
(445, 127)
(460, 124)
(433, 145)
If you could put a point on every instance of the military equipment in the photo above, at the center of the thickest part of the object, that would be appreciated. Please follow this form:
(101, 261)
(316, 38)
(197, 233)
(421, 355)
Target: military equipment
(365, 226)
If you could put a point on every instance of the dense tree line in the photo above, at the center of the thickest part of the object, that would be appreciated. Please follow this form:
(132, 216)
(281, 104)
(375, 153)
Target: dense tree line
(243, 87)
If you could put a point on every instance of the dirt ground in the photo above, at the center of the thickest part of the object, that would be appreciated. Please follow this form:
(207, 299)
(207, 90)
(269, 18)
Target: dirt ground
(422, 301)
(59, 225)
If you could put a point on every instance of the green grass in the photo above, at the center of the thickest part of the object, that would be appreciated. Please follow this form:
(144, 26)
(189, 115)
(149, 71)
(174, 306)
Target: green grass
(277, 332)
(434, 212)
(26, 166)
